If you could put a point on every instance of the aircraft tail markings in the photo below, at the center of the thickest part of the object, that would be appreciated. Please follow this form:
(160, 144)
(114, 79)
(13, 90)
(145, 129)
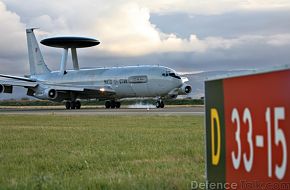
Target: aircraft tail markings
(36, 61)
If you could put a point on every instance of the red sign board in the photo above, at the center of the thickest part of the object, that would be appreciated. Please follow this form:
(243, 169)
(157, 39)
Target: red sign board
(248, 130)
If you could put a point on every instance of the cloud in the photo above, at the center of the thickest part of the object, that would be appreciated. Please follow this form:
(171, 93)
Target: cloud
(128, 35)
(279, 40)
(124, 27)
(12, 42)
(209, 7)
(227, 25)
(11, 29)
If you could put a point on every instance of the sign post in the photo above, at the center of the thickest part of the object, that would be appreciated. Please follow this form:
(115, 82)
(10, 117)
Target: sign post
(248, 130)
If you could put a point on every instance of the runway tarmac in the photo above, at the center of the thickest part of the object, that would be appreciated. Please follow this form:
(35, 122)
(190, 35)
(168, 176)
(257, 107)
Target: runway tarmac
(170, 110)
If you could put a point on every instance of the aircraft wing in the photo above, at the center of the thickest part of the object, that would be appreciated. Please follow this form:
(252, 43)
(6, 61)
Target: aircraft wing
(18, 83)
(17, 78)
(80, 88)
(7, 86)
(84, 91)
(77, 88)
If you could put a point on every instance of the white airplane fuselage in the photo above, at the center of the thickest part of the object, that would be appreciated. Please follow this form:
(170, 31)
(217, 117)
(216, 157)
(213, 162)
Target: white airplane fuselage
(127, 82)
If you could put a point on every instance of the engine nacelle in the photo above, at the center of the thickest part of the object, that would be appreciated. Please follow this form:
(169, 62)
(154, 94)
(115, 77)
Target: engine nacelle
(185, 89)
(50, 94)
(6, 88)
(2, 88)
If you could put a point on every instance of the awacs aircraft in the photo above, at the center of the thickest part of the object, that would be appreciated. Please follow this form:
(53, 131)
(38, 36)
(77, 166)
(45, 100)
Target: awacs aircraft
(111, 84)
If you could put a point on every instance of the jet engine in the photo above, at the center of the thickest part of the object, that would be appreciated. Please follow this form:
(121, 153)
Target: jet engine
(6, 88)
(2, 88)
(46, 94)
(185, 89)
(51, 93)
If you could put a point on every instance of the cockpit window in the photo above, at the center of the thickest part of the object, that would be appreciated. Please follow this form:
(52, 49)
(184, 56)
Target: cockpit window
(165, 74)
(174, 75)
(168, 73)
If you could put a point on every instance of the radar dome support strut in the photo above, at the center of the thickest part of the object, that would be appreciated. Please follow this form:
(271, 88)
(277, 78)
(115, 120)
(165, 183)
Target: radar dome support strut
(69, 43)
(63, 61)
(75, 58)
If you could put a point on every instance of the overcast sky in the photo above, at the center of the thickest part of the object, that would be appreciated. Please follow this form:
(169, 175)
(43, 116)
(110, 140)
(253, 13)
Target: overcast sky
(186, 35)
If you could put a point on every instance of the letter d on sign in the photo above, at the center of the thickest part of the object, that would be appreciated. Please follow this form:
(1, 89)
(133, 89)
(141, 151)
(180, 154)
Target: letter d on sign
(215, 120)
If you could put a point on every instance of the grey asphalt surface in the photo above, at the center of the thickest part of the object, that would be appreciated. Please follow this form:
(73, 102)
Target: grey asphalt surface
(188, 110)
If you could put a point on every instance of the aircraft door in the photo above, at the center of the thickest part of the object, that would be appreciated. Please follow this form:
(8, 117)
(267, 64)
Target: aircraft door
(139, 85)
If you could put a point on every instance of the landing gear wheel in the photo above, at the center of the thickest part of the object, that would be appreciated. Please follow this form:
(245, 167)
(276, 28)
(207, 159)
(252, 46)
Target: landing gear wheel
(157, 104)
(113, 104)
(73, 105)
(118, 105)
(160, 104)
(108, 104)
(78, 105)
(67, 105)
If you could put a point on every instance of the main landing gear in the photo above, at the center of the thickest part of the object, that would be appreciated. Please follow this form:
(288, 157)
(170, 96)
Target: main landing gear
(160, 104)
(73, 105)
(112, 104)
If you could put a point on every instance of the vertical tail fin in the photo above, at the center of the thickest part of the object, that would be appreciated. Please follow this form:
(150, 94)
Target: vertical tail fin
(36, 62)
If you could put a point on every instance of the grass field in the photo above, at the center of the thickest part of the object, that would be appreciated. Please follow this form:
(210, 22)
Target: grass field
(101, 152)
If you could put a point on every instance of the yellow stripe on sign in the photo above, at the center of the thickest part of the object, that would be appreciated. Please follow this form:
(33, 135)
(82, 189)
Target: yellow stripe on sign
(215, 119)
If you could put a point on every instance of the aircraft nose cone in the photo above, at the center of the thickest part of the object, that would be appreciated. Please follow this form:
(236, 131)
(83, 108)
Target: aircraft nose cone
(181, 81)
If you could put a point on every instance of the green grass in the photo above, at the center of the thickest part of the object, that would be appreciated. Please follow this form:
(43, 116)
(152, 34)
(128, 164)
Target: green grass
(101, 152)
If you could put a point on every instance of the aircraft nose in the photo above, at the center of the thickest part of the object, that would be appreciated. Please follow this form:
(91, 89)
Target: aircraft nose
(180, 82)
(184, 79)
